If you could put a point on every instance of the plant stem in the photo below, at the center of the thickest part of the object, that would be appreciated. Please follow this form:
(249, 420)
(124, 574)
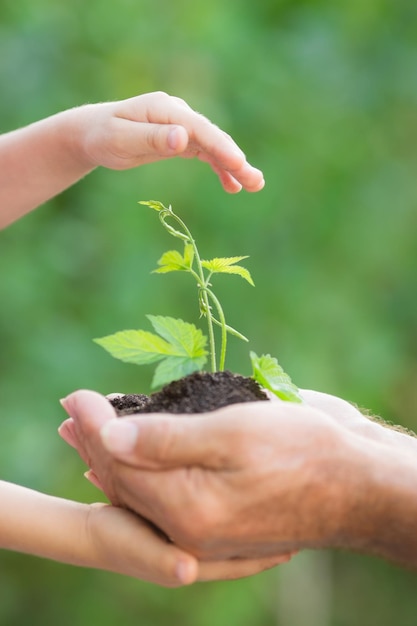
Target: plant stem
(223, 327)
(202, 285)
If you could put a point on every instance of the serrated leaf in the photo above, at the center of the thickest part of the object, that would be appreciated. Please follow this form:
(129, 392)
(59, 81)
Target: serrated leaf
(174, 261)
(178, 346)
(136, 346)
(269, 374)
(186, 339)
(174, 368)
(227, 265)
(154, 204)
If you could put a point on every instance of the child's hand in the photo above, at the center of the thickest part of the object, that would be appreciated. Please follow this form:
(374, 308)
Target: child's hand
(117, 135)
(155, 126)
(122, 542)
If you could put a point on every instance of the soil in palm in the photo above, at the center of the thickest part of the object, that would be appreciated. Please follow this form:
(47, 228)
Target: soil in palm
(197, 393)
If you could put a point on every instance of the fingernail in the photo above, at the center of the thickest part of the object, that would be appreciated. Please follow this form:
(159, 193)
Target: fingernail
(261, 185)
(65, 405)
(89, 476)
(172, 139)
(93, 479)
(119, 436)
(65, 433)
(184, 572)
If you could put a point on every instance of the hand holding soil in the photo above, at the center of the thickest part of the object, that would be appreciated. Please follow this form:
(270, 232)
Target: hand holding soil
(257, 479)
(85, 436)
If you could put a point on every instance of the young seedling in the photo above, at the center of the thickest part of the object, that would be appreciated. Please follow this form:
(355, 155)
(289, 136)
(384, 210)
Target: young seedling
(178, 347)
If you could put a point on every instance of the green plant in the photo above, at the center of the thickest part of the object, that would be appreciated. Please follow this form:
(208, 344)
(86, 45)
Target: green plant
(178, 347)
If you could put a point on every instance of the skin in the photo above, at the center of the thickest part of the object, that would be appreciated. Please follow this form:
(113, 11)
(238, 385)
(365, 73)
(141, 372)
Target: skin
(49, 156)
(54, 153)
(257, 479)
(105, 537)
(96, 536)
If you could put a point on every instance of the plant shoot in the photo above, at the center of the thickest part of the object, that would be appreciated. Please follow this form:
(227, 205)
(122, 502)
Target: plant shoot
(179, 348)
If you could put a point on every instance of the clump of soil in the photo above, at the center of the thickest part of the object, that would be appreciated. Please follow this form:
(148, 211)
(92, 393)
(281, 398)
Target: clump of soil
(197, 393)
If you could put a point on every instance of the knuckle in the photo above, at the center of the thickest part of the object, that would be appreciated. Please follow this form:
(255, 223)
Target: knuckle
(115, 138)
(159, 95)
(156, 138)
(180, 101)
(163, 438)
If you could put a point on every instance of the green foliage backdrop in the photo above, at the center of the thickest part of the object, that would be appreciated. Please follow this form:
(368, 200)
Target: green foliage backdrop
(323, 97)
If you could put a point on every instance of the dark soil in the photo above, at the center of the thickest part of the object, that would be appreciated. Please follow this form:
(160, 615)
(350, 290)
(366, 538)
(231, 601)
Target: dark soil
(197, 393)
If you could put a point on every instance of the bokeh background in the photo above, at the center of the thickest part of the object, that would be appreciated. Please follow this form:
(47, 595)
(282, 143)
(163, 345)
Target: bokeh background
(323, 97)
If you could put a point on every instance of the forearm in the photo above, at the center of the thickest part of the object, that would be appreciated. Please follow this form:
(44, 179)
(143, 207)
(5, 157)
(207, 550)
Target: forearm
(39, 161)
(376, 429)
(42, 525)
(381, 497)
(361, 422)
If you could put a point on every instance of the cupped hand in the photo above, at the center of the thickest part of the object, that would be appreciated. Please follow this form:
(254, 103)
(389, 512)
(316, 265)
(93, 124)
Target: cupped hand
(245, 481)
(161, 559)
(155, 126)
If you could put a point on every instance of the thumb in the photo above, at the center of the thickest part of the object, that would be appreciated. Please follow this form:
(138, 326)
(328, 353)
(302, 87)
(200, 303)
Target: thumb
(164, 139)
(88, 411)
(152, 140)
(162, 442)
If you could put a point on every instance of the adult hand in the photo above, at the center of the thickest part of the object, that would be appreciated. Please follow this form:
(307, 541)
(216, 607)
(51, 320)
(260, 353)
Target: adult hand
(257, 478)
(121, 541)
(86, 438)
(155, 126)
(189, 475)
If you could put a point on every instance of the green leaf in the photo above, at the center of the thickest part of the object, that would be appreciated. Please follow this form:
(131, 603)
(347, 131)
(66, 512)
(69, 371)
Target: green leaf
(227, 266)
(154, 204)
(174, 368)
(178, 346)
(174, 261)
(185, 339)
(269, 374)
(136, 346)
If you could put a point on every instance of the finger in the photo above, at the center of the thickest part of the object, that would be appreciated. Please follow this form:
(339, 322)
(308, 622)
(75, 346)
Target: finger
(147, 142)
(163, 441)
(67, 432)
(238, 568)
(163, 109)
(89, 409)
(204, 137)
(89, 412)
(229, 183)
(93, 479)
(244, 175)
(140, 550)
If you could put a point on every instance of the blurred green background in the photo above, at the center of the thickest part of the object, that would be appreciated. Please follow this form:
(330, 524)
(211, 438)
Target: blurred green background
(323, 97)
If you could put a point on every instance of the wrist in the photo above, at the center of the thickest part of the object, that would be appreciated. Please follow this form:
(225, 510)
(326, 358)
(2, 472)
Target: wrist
(335, 473)
(380, 506)
(77, 125)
